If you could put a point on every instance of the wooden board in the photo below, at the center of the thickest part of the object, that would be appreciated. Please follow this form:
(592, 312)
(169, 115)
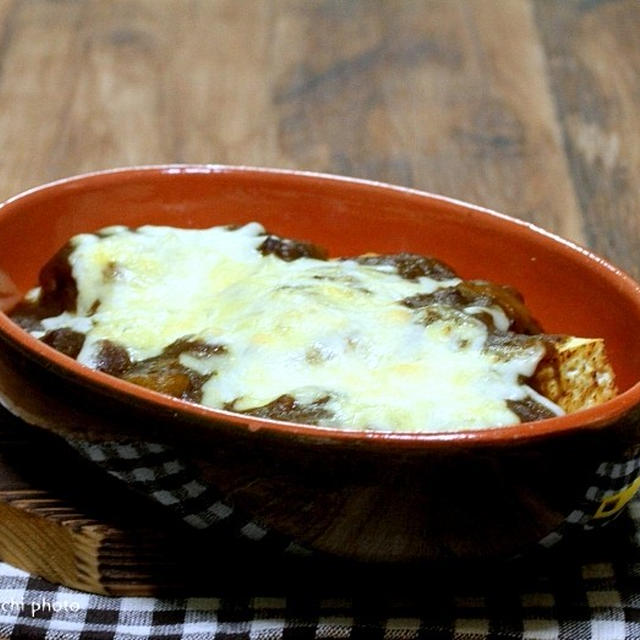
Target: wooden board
(526, 106)
(67, 521)
(64, 520)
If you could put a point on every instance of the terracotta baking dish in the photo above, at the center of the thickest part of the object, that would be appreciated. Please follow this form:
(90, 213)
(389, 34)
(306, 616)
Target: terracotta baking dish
(369, 496)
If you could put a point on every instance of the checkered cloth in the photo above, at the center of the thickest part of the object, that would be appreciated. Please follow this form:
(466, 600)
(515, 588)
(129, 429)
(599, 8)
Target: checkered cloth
(589, 589)
(160, 473)
(578, 586)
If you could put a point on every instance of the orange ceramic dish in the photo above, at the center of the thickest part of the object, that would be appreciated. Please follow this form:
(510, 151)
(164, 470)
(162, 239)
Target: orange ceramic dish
(368, 495)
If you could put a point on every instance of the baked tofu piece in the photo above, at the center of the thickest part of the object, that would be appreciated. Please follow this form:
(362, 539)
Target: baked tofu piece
(575, 373)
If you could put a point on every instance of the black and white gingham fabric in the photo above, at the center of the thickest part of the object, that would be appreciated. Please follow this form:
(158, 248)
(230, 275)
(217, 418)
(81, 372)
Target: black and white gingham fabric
(577, 587)
(590, 592)
(158, 472)
(614, 485)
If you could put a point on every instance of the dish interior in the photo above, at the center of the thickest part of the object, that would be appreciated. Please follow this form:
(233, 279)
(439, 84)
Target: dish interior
(569, 290)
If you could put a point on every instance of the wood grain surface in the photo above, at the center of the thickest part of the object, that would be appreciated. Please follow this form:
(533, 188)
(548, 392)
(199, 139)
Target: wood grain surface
(530, 107)
(66, 521)
(526, 106)
(92, 534)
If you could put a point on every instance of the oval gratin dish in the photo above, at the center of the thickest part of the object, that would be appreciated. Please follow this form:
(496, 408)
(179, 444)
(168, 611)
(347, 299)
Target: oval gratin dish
(365, 495)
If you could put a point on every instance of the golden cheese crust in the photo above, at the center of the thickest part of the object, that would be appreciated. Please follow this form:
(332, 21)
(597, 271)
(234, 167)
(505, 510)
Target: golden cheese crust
(404, 312)
(575, 374)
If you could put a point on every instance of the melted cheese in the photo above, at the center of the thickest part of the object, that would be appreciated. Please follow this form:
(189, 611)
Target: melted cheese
(330, 331)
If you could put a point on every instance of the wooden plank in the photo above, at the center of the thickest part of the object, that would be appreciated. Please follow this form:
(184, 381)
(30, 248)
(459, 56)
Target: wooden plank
(132, 83)
(449, 96)
(38, 56)
(64, 520)
(594, 66)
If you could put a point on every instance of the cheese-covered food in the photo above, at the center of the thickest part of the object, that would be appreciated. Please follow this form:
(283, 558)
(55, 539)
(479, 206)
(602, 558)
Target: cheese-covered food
(238, 319)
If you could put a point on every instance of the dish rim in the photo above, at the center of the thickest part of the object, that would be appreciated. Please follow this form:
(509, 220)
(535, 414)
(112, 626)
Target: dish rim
(590, 418)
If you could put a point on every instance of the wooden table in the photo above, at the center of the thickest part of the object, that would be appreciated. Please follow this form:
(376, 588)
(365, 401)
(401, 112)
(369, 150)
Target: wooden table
(530, 107)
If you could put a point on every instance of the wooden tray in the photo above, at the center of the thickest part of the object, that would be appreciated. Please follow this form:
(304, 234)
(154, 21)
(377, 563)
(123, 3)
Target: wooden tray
(67, 521)
(64, 520)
